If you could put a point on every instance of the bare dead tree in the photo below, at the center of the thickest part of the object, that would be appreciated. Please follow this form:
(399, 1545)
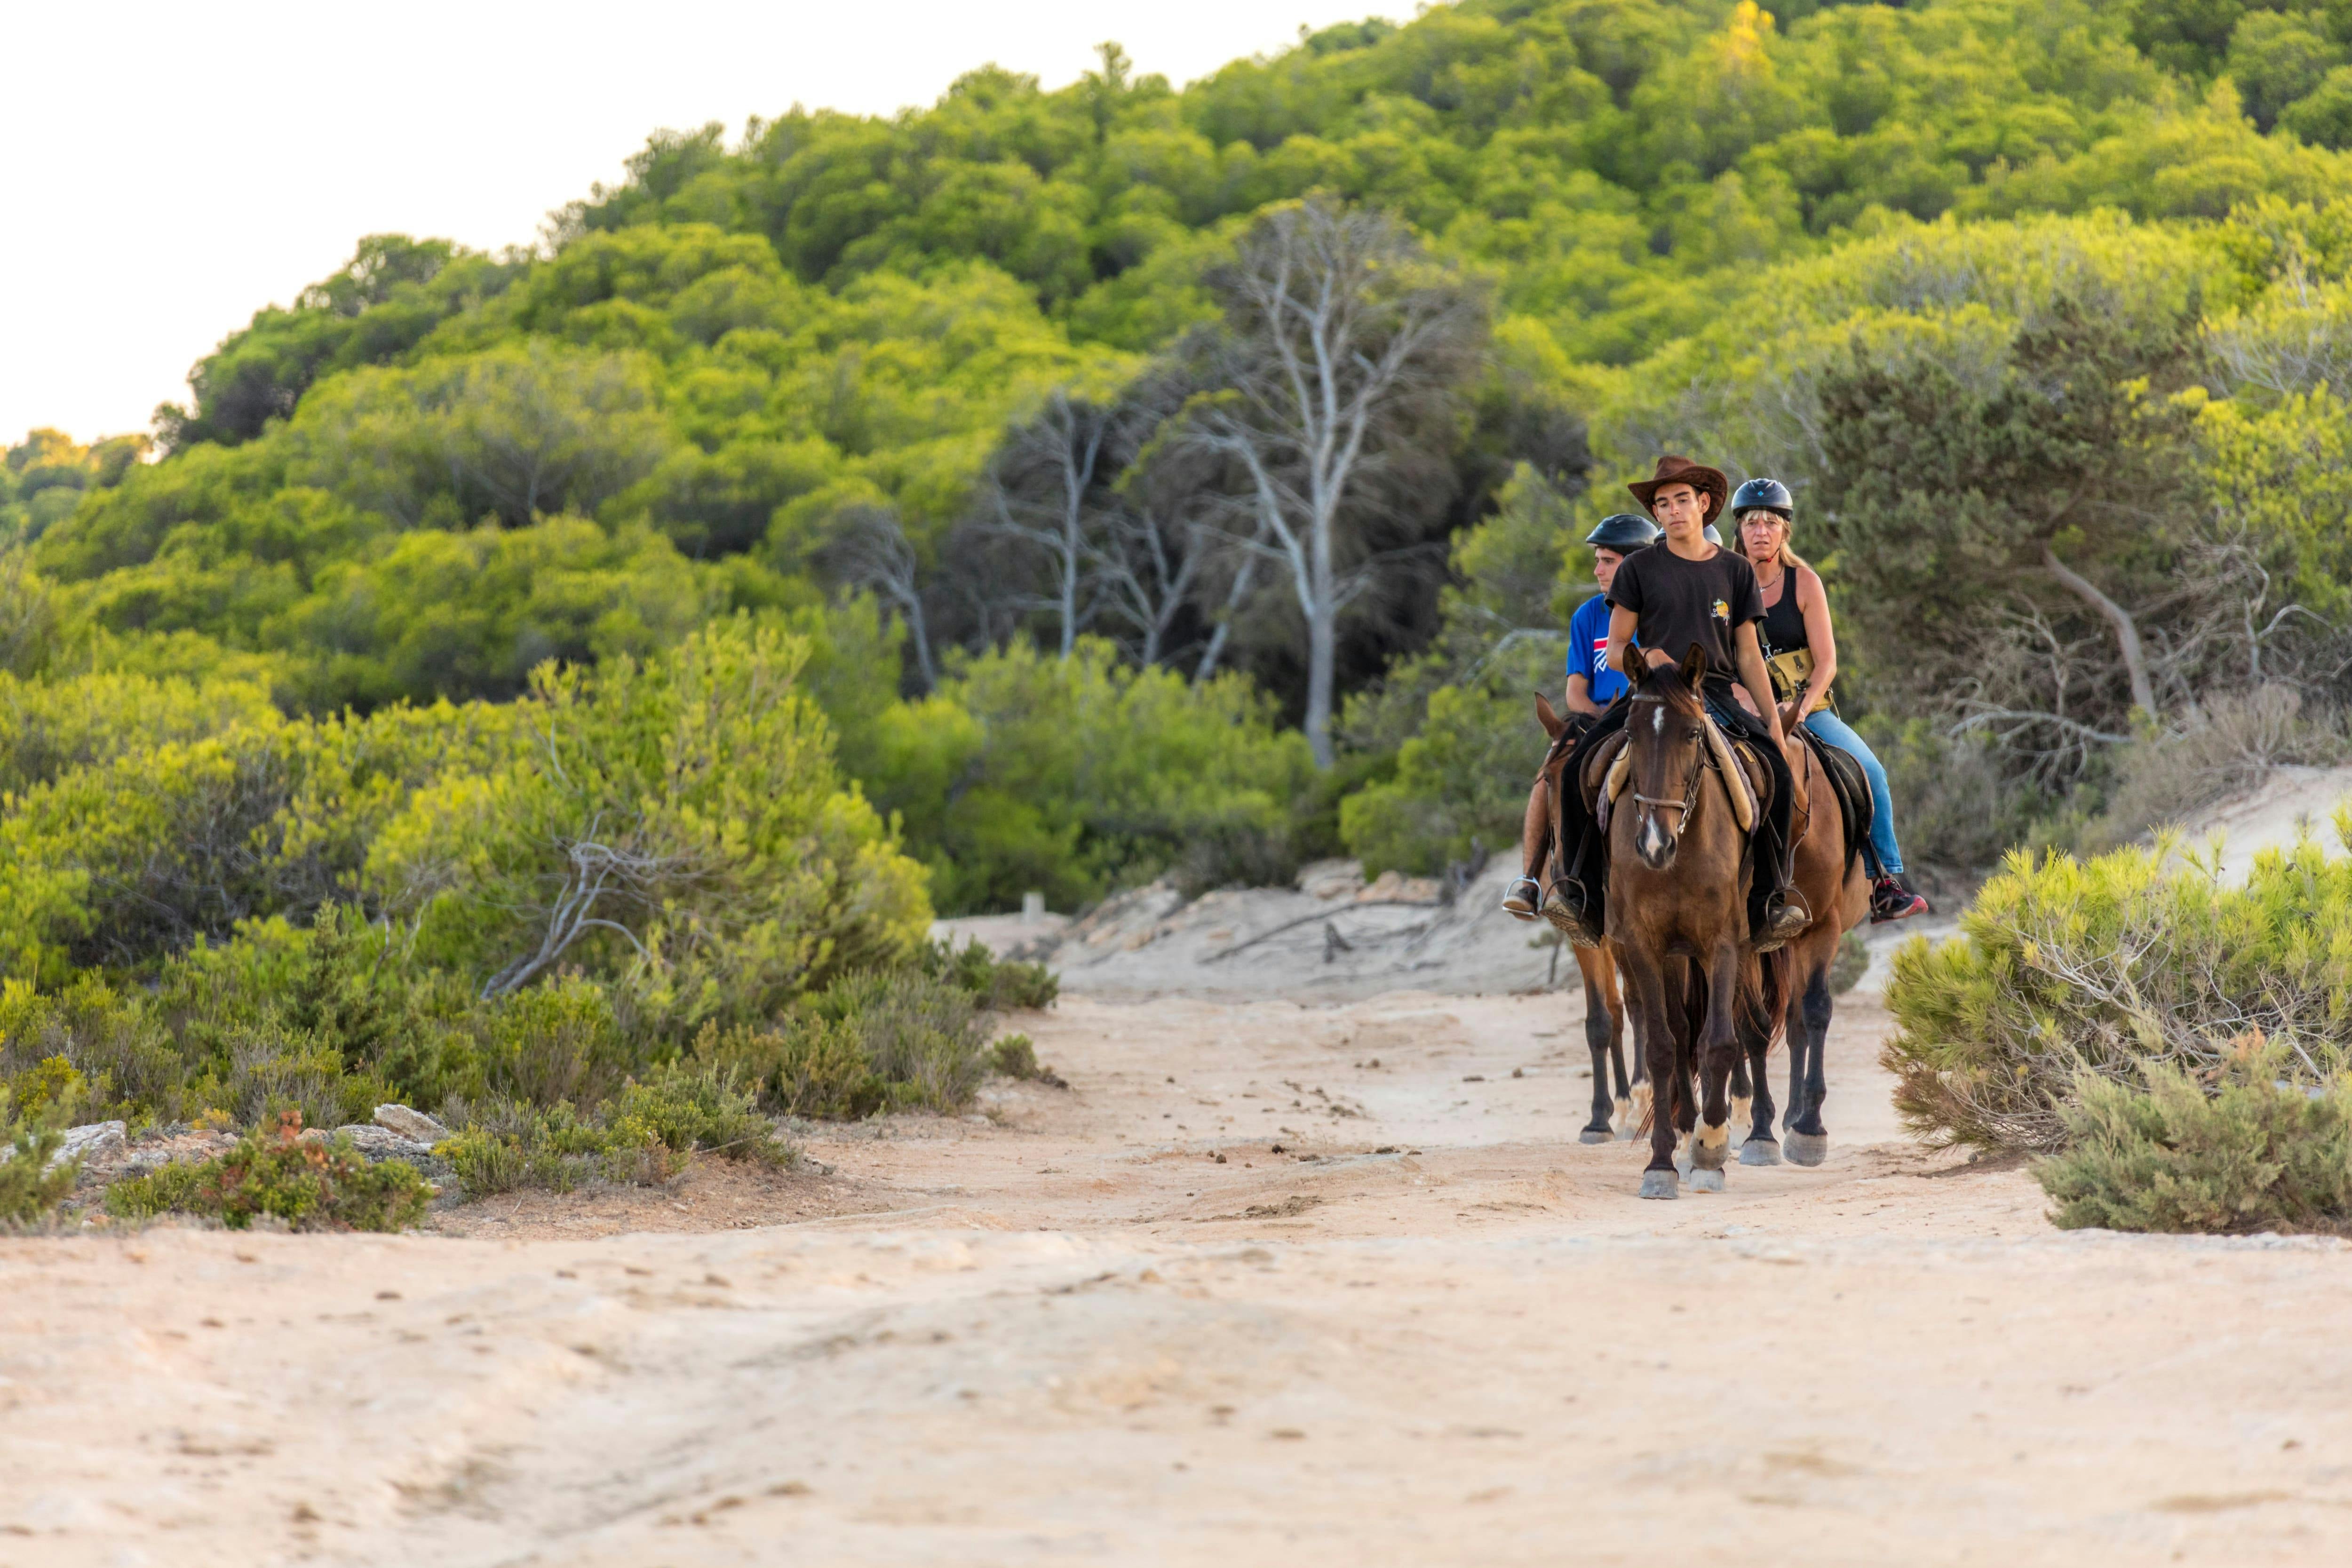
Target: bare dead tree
(870, 550)
(1046, 489)
(606, 880)
(1341, 340)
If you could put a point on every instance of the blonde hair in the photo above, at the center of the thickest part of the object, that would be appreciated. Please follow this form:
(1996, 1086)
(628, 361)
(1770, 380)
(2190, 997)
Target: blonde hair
(1789, 560)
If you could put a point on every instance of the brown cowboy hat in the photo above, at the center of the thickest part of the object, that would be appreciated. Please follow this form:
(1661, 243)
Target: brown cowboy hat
(1678, 470)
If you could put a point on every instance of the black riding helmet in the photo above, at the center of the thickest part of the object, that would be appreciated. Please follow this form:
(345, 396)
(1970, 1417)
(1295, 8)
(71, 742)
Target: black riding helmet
(1763, 495)
(1622, 532)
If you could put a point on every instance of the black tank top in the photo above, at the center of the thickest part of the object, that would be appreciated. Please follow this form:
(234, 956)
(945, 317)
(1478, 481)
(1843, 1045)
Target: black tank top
(1784, 623)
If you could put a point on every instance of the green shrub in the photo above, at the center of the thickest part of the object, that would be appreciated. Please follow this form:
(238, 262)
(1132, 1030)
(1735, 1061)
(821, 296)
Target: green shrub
(994, 983)
(308, 1183)
(803, 1066)
(1072, 776)
(646, 1133)
(29, 1190)
(2169, 1156)
(2105, 967)
(1014, 1055)
(923, 1037)
(557, 1041)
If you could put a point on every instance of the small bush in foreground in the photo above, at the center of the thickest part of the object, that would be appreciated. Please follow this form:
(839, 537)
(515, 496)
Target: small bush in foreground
(2254, 1156)
(310, 1183)
(2109, 966)
(29, 1190)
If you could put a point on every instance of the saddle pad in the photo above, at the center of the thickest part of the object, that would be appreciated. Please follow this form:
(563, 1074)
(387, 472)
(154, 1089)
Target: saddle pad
(1852, 787)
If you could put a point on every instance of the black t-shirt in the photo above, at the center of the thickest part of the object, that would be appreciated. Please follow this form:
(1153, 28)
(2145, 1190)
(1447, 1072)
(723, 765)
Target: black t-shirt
(1676, 603)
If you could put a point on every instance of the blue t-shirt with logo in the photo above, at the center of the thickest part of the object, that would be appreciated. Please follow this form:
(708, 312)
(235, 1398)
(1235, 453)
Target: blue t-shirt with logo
(1588, 650)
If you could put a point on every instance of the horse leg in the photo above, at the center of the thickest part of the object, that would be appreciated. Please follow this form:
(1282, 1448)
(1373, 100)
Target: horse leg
(1632, 1121)
(1602, 1007)
(1647, 989)
(1760, 1147)
(1716, 1050)
(1808, 1141)
(1685, 1015)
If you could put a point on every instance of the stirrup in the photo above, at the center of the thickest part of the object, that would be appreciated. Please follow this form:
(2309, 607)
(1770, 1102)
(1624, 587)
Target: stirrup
(1517, 907)
(1785, 923)
(1573, 924)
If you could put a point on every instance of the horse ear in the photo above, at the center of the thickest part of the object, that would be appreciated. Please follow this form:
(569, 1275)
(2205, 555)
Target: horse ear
(1694, 667)
(1635, 663)
(1549, 717)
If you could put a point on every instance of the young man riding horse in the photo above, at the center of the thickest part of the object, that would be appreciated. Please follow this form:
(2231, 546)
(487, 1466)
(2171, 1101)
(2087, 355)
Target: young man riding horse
(1680, 595)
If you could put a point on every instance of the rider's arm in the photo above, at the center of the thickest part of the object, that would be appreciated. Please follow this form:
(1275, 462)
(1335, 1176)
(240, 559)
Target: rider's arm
(1749, 657)
(1622, 622)
(1819, 637)
(1579, 696)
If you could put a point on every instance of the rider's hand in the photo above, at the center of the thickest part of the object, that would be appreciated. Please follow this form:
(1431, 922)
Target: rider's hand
(1792, 714)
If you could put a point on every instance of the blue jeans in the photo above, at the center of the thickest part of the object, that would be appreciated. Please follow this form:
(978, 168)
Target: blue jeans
(1839, 734)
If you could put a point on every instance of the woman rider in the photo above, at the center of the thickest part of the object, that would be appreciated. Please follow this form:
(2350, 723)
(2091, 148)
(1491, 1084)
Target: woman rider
(1797, 619)
(1593, 686)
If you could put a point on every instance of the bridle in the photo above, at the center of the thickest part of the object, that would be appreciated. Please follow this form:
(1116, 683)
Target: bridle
(1701, 759)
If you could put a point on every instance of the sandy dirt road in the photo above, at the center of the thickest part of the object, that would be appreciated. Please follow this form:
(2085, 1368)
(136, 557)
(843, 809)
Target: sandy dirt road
(1066, 1332)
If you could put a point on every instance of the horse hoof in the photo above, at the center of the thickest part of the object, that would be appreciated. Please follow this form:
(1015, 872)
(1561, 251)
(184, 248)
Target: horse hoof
(1683, 1161)
(1596, 1135)
(1760, 1152)
(1627, 1132)
(1660, 1185)
(1705, 1181)
(1808, 1148)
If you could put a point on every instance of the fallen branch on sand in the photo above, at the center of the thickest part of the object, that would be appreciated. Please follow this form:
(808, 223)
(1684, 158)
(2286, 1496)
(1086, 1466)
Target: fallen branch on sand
(1323, 915)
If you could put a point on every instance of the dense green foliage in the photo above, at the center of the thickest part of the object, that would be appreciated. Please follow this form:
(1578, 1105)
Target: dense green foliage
(2250, 1156)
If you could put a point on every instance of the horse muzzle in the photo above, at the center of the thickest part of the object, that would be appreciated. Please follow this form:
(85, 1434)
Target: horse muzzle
(1653, 843)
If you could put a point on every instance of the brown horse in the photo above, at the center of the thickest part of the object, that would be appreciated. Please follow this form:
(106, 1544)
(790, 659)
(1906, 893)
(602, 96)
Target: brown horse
(1677, 803)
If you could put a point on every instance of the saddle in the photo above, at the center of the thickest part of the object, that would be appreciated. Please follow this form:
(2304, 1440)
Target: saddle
(1605, 769)
(1852, 788)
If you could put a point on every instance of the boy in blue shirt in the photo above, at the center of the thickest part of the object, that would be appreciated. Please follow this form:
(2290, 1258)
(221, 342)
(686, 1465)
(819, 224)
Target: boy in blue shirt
(1593, 683)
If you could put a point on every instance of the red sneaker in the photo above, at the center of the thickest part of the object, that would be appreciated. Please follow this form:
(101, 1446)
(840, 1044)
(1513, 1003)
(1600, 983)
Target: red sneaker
(1892, 898)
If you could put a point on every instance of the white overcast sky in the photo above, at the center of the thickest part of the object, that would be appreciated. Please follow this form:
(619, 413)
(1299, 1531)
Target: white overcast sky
(172, 168)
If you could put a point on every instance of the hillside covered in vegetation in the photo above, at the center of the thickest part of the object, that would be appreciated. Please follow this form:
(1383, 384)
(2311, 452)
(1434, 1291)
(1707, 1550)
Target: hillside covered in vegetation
(857, 517)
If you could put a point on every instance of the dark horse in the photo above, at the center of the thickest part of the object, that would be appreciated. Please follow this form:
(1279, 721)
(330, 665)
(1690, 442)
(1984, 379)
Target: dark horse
(1678, 801)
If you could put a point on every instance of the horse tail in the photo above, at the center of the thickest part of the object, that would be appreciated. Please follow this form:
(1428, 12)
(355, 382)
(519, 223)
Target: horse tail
(1764, 994)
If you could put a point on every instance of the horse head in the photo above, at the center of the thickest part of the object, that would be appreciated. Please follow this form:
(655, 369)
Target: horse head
(1666, 750)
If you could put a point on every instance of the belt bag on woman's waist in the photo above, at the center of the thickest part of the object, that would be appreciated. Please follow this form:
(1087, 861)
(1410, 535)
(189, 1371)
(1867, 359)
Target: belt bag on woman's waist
(1789, 671)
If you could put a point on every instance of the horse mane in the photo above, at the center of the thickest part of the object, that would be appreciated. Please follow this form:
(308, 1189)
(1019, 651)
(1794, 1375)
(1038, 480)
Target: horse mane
(1667, 680)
